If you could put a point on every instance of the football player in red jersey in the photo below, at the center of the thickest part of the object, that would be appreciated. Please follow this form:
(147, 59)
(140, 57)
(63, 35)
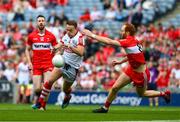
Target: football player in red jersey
(136, 71)
(40, 42)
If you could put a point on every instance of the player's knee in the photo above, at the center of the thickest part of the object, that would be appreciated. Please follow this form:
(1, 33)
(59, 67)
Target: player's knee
(115, 90)
(140, 94)
(50, 82)
(38, 92)
(67, 91)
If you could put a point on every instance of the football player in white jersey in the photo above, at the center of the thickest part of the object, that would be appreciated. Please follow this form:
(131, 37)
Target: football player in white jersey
(23, 78)
(73, 45)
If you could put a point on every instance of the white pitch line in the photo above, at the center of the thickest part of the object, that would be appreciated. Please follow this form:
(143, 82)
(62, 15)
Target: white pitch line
(105, 121)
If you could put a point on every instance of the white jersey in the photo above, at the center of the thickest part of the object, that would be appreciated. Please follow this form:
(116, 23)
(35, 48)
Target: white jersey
(24, 74)
(70, 57)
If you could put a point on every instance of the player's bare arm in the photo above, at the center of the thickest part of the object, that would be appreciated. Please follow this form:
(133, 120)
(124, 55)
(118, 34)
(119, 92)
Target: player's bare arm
(100, 38)
(79, 50)
(115, 62)
(58, 46)
(28, 49)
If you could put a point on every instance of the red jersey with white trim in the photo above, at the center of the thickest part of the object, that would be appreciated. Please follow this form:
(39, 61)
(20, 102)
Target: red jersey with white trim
(41, 46)
(133, 50)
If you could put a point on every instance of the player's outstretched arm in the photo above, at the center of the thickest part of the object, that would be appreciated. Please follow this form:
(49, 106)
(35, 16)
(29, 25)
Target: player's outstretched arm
(119, 62)
(100, 38)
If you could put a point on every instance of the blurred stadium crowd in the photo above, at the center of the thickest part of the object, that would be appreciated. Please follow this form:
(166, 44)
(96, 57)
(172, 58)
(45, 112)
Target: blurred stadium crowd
(104, 17)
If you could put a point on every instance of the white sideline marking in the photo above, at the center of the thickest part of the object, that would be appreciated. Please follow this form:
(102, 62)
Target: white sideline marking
(102, 121)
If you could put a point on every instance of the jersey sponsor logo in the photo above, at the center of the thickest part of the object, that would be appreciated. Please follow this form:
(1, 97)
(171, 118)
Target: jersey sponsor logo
(134, 49)
(41, 46)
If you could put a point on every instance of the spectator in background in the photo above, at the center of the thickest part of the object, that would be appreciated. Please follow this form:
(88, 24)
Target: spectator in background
(19, 16)
(2, 77)
(172, 33)
(149, 4)
(163, 77)
(22, 78)
(17, 35)
(62, 2)
(175, 75)
(110, 14)
(19, 11)
(119, 14)
(103, 32)
(63, 18)
(9, 72)
(152, 83)
(137, 18)
(52, 18)
(130, 3)
(86, 16)
(2, 45)
(30, 27)
(106, 4)
(96, 15)
(33, 3)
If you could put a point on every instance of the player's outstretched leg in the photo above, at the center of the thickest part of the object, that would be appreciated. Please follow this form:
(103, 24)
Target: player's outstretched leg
(167, 96)
(122, 81)
(67, 90)
(100, 110)
(41, 105)
(151, 93)
(66, 101)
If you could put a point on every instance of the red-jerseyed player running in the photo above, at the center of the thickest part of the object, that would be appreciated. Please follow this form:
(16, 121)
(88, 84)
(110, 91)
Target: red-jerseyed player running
(40, 42)
(136, 71)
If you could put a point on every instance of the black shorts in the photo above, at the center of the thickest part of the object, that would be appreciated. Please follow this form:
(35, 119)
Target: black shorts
(152, 86)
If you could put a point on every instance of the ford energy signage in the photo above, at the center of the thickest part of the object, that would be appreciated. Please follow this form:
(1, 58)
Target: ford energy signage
(95, 98)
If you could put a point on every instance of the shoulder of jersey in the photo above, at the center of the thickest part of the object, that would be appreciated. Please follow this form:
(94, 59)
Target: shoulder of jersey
(32, 33)
(48, 32)
(80, 34)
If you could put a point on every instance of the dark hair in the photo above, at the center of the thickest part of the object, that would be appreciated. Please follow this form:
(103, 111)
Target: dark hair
(72, 22)
(130, 28)
(40, 16)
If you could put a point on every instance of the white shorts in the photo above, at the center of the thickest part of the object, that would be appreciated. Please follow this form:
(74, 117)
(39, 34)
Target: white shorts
(23, 82)
(69, 73)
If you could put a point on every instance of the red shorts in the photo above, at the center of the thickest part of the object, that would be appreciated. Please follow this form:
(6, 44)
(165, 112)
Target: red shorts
(39, 70)
(138, 79)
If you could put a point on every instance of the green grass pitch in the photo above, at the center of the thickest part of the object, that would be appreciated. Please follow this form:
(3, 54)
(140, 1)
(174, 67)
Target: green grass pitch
(12, 112)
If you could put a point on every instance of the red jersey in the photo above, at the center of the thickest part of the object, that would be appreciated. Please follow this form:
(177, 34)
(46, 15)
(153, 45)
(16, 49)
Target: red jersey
(41, 46)
(133, 50)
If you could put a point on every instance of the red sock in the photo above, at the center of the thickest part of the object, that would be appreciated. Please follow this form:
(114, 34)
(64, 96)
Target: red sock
(107, 104)
(46, 90)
